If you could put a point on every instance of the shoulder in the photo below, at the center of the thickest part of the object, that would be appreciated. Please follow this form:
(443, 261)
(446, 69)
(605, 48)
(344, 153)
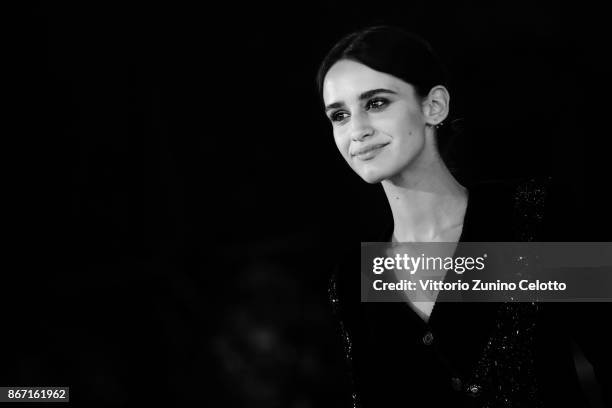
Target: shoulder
(505, 209)
(540, 208)
(528, 190)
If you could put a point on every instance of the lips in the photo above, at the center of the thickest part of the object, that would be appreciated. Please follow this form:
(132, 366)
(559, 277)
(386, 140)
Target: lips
(368, 152)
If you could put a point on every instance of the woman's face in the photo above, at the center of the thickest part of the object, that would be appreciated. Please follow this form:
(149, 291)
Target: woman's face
(377, 119)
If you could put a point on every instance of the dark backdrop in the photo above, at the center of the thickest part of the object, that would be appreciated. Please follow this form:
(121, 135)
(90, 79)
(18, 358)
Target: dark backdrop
(180, 198)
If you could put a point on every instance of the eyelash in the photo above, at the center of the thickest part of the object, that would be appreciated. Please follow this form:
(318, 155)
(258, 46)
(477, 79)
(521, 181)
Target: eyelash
(382, 103)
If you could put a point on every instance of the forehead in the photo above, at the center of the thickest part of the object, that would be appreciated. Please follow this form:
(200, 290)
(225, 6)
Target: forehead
(347, 79)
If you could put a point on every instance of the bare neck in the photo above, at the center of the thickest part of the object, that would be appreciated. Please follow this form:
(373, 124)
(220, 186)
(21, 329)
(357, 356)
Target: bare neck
(428, 204)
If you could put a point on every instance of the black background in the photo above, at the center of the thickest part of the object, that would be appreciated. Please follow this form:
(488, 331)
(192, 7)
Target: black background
(179, 197)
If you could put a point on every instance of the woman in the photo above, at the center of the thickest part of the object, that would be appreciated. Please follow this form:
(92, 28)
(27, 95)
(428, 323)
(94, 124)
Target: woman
(386, 96)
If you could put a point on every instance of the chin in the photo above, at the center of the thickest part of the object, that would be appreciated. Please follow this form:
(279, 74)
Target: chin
(373, 176)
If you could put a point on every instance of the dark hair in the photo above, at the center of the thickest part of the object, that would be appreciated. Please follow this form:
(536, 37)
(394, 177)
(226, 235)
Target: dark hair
(404, 55)
(393, 51)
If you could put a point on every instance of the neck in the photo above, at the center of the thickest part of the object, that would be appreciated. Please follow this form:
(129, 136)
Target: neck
(428, 204)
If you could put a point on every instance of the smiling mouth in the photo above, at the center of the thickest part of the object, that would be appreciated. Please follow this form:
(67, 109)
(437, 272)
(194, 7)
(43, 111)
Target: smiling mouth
(369, 152)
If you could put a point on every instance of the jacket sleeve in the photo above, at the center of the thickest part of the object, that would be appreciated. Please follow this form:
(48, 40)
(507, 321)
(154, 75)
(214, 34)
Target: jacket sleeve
(590, 331)
(588, 322)
(345, 337)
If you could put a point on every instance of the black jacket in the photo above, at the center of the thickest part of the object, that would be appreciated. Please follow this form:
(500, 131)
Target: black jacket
(475, 354)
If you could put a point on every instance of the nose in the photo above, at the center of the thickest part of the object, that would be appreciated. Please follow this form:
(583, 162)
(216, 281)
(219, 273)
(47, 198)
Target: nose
(360, 128)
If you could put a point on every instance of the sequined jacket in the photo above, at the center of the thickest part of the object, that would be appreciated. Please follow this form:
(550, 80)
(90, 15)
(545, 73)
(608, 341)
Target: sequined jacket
(474, 354)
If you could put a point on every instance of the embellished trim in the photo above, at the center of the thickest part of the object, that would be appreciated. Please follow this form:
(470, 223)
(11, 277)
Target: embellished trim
(347, 342)
(509, 354)
(529, 199)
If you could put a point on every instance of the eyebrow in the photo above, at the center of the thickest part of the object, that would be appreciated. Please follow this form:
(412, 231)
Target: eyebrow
(365, 95)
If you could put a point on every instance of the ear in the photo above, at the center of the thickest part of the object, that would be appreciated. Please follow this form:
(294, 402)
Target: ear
(436, 105)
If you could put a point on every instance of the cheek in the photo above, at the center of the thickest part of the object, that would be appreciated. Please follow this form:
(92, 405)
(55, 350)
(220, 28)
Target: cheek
(410, 130)
(409, 125)
(342, 142)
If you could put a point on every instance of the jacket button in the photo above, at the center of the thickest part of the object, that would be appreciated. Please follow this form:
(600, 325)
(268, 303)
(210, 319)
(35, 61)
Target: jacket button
(474, 390)
(428, 338)
(456, 383)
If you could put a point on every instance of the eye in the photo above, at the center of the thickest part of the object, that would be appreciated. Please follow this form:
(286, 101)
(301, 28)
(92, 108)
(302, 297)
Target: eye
(377, 103)
(338, 116)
